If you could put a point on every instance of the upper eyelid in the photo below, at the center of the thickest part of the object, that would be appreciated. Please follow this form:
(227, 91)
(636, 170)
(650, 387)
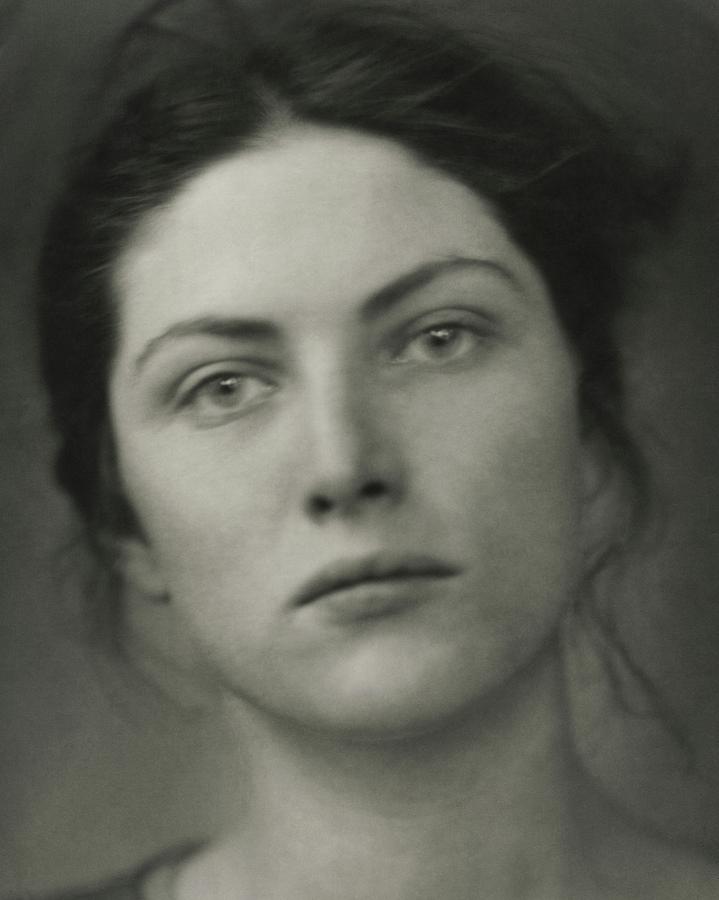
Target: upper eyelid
(458, 315)
(461, 306)
(189, 381)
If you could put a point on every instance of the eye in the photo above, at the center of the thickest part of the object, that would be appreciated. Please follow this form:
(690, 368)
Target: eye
(444, 342)
(221, 396)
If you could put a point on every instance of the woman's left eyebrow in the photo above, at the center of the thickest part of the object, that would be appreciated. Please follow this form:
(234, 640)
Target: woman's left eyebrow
(390, 294)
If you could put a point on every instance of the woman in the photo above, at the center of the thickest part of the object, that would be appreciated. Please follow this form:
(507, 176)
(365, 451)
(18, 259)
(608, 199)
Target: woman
(328, 334)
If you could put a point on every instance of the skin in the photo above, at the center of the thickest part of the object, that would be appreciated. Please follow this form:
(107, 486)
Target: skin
(330, 350)
(475, 444)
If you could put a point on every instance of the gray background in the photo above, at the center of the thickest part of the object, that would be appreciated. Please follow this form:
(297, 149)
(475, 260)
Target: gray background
(96, 770)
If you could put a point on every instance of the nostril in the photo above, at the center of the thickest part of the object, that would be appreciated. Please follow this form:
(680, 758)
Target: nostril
(374, 489)
(320, 505)
(323, 503)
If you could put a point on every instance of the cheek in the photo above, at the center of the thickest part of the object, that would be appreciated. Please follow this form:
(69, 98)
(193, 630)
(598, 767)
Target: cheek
(509, 494)
(515, 436)
(209, 512)
(502, 468)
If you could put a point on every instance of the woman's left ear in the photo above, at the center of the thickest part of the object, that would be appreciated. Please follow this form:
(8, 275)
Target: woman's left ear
(596, 469)
(598, 493)
(137, 562)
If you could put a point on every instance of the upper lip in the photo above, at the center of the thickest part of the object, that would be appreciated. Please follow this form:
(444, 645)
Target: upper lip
(347, 573)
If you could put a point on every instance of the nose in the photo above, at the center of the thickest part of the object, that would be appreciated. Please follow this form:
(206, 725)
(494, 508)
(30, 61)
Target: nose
(356, 463)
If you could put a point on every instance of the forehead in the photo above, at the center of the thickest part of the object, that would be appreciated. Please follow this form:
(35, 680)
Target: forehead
(315, 218)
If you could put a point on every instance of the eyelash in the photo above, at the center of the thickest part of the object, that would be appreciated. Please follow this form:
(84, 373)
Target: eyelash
(189, 396)
(464, 323)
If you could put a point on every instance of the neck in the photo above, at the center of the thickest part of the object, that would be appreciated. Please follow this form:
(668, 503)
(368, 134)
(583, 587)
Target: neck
(484, 805)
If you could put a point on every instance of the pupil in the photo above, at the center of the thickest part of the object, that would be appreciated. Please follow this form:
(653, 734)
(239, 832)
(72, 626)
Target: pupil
(441, 336)
(226, 389)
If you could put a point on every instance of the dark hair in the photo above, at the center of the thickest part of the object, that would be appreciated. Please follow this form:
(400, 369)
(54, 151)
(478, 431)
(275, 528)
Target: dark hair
(572, 189)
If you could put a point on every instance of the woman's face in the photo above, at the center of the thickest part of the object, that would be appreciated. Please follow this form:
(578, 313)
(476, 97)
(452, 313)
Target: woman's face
(346, 417)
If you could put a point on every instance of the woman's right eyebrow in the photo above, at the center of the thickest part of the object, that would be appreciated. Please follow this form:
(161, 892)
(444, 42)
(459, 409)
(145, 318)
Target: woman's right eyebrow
(236, 329)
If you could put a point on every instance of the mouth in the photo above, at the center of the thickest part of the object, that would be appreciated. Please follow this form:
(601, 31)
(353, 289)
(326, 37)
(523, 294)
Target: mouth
(368, 571)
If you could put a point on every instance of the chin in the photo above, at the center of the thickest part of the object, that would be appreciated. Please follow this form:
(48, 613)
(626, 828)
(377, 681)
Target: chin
(382, 696)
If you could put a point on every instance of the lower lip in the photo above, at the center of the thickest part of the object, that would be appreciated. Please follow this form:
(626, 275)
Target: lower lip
(372, 599)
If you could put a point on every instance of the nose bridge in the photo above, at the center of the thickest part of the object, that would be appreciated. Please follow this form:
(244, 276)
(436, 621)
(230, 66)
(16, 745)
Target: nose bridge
(340, 413)
(353, 456)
